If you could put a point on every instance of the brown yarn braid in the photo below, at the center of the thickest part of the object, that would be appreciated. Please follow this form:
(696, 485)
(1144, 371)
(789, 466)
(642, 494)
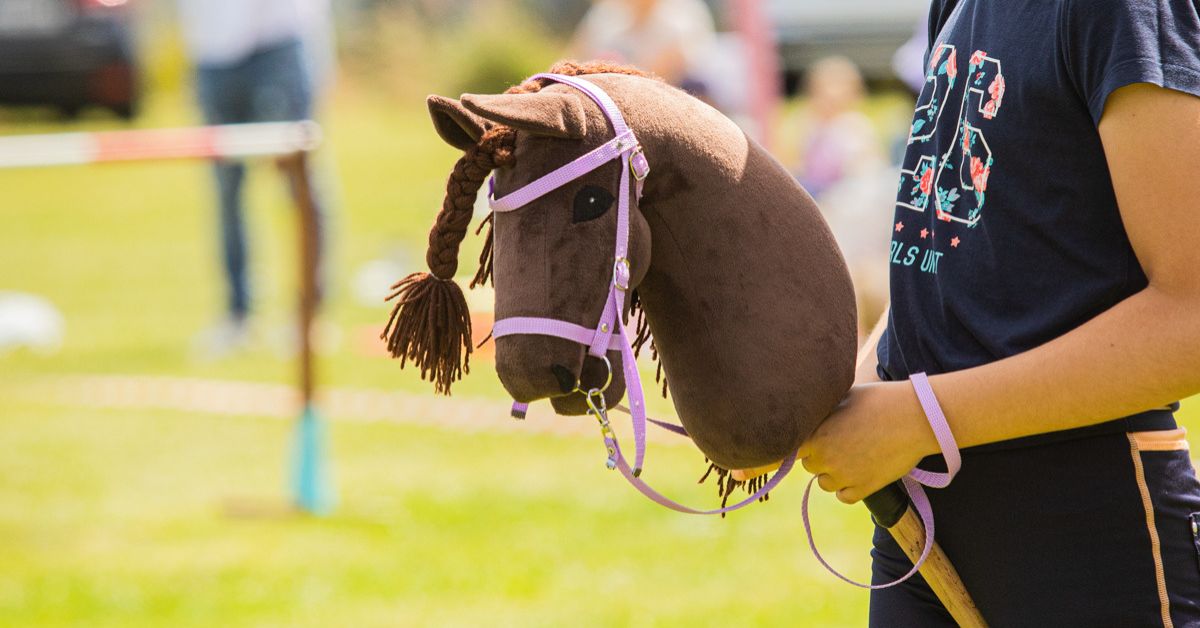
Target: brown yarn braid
(430, 323)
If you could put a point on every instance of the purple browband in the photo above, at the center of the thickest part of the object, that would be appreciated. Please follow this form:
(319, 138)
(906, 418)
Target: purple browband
(610, 334)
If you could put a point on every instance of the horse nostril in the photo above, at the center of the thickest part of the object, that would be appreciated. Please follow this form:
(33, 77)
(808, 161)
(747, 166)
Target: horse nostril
(566, 378)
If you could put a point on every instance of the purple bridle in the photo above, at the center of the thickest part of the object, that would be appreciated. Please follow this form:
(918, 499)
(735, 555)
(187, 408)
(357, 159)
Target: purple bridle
(610, 334)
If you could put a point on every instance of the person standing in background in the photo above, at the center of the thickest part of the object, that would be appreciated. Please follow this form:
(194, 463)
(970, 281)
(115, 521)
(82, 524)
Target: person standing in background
(665, 37)
(909, 61)
(842, 165)
(837, 137)
(255, 61)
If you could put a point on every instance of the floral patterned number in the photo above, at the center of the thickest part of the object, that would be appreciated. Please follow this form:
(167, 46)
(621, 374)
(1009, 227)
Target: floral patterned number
(955, 183)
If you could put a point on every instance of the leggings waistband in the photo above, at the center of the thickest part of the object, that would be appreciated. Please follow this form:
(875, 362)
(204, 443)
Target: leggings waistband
(1149, 421)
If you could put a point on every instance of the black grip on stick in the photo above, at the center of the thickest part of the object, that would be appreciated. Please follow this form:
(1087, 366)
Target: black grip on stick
(888, 504)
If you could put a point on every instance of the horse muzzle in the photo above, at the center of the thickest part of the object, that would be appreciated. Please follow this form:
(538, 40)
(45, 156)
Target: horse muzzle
(533, 368)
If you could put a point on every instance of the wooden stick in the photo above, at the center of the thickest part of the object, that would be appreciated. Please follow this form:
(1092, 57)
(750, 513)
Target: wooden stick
(937, 570)
(891, 509)
(295, 166)
(312, 489)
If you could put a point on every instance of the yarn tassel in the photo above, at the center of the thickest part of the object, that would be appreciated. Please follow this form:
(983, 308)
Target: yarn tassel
(430, 325)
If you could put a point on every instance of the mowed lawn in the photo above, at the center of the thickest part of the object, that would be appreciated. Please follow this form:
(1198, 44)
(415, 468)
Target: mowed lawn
(119, 517)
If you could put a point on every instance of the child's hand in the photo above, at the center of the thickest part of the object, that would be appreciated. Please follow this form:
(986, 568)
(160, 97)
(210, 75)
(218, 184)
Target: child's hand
(741, 475)
(874, 437)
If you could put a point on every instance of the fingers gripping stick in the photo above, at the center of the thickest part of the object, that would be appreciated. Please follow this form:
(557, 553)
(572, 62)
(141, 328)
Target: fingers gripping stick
(891, 509)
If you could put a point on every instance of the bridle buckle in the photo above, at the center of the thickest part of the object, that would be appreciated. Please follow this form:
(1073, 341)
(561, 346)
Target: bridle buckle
(638, 164)
(621, 264)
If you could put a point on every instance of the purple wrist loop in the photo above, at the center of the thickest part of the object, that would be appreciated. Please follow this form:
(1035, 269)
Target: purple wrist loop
(912, 483)
(941, 431)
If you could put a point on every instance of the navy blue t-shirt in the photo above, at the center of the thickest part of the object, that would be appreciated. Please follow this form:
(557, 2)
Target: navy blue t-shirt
(1006, 232)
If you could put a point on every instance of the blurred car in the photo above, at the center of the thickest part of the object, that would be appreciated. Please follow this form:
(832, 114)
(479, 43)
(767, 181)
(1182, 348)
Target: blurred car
(69, 54)
(868, 32)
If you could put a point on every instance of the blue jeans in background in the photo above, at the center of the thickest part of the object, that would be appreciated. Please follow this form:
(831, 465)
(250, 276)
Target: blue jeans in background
(270, 85)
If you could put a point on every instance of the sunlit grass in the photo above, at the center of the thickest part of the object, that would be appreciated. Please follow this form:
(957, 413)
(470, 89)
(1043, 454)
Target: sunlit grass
(116, 517)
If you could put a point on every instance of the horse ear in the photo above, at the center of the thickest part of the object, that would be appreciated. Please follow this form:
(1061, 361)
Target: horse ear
(555, 114)
(454, 123)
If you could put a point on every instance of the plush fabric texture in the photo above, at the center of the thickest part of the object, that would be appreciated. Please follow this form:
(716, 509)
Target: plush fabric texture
(454, 123)
(542, 113)
(743, 286)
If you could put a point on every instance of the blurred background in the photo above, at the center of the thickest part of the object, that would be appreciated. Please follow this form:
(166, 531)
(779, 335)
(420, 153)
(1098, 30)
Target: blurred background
(148, 320)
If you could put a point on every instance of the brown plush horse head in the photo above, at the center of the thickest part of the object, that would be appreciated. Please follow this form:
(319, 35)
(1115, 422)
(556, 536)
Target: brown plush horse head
(737, 278)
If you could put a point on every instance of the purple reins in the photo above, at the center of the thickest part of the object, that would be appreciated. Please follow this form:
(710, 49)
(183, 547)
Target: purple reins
(610, 334)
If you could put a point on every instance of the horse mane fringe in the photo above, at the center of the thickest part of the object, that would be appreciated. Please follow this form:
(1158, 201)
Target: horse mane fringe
(726, 484)
(642, 337)
(484, 274)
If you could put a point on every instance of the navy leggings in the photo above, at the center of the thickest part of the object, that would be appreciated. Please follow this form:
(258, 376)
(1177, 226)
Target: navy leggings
(1094, 531)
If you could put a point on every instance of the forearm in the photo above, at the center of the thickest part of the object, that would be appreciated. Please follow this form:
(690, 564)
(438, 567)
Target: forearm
(1141, 354)
(867, 365)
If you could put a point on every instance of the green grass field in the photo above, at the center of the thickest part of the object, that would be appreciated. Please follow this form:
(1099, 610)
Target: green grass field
(117, 518)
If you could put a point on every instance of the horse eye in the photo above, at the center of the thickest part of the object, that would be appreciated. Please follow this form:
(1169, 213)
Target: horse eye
(590, 203)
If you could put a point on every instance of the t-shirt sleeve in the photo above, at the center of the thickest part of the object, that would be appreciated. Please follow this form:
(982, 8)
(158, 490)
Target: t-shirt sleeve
(1108, 44)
